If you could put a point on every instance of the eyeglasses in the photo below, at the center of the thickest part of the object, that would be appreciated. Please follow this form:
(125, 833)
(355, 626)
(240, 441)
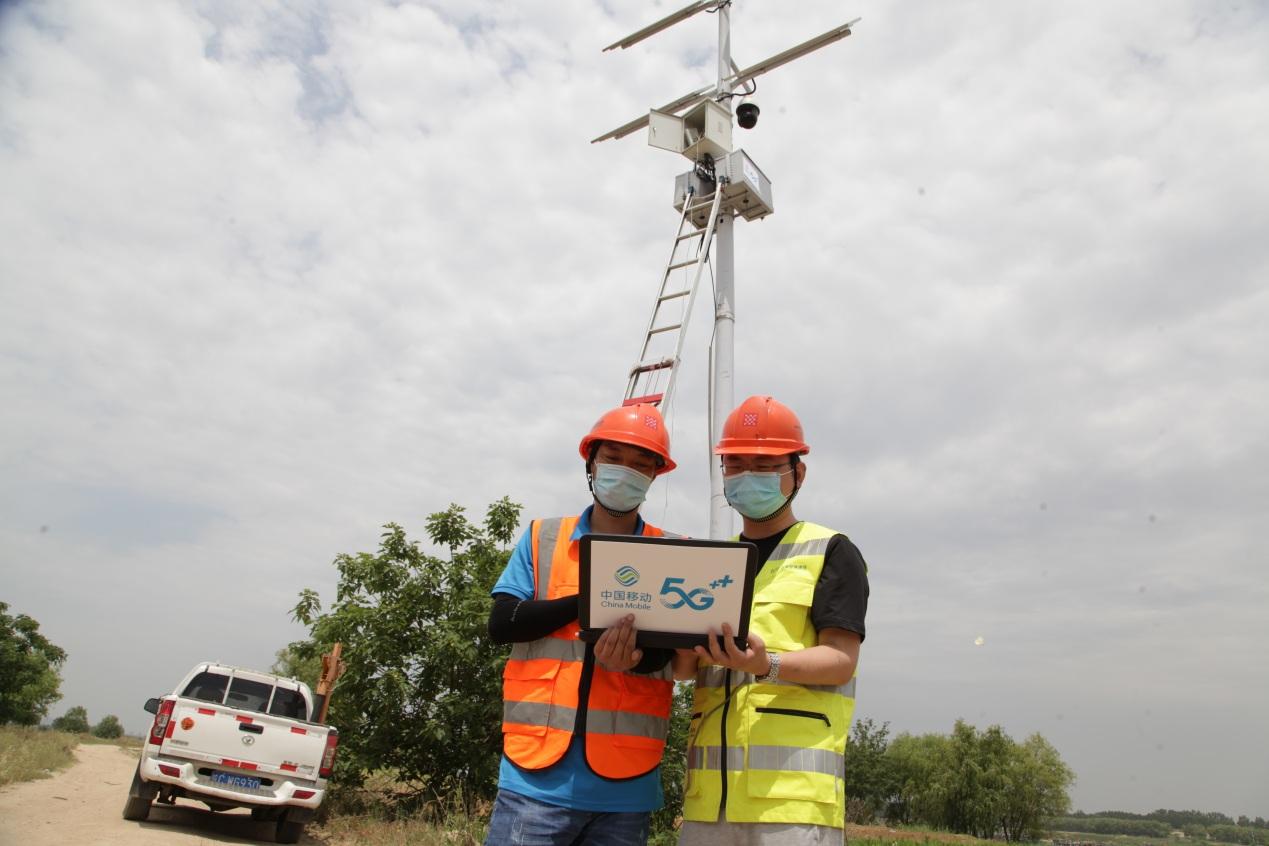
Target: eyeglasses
(735, 468)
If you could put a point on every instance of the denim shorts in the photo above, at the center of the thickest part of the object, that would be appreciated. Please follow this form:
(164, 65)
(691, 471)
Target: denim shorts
(521, 821)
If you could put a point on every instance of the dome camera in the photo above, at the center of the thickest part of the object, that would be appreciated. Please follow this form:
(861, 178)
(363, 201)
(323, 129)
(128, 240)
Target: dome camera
(747, 115)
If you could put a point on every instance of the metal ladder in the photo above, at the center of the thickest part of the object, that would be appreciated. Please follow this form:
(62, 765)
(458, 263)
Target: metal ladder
(646, 375)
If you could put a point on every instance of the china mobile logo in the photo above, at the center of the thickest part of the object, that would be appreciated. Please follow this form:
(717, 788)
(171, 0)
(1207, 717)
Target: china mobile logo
(698, 599)
(626, 575)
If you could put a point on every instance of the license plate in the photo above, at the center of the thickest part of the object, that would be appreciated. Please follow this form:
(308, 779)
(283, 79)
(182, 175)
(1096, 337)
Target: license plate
(236, 781)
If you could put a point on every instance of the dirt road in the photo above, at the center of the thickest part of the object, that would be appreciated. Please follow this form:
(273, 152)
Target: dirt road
(81, 806)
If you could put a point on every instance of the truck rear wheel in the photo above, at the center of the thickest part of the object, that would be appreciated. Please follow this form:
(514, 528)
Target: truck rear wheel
(288, 831)
(137, 809)
(140, 796)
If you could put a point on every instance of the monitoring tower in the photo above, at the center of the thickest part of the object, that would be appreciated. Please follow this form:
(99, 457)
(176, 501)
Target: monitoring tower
(722, 185)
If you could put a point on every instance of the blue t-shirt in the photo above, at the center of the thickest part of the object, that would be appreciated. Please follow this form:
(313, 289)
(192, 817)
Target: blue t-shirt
(569, 782)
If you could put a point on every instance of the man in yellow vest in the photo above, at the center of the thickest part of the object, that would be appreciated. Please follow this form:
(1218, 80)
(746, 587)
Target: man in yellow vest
(583, 727)
(767, 743)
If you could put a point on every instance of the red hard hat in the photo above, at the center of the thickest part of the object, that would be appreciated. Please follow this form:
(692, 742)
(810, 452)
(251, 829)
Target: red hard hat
(637, 425)
(762, 426)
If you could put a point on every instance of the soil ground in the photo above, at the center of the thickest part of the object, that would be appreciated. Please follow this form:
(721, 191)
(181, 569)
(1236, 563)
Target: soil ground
(82, 806)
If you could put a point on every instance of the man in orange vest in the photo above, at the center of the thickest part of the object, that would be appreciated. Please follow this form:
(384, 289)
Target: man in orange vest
(583, 727)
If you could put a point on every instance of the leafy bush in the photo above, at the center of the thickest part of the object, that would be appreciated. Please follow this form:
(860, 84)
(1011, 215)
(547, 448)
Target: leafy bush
(421, 695)
(1110, 825)
(109, 728)
(674, 768)
(74, 721)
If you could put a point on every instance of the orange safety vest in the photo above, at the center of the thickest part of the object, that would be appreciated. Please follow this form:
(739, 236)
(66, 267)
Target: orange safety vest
(625, 715)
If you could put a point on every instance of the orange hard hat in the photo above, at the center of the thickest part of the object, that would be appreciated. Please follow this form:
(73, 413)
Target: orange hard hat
(638, 425)
(762, 426)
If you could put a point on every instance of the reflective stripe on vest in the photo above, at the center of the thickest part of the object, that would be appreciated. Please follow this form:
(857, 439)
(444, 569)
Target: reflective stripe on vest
(814, 546)
(548, 534)
(549, 647)
(539, 714)
(626, 715)
(789, 758)
(783, 756)
(624, 722)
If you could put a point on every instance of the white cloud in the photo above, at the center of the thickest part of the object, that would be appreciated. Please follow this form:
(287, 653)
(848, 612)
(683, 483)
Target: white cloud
(277, 273)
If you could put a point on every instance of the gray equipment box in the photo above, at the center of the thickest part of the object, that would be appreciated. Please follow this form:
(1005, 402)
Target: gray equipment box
(704, 129)
(747, 191)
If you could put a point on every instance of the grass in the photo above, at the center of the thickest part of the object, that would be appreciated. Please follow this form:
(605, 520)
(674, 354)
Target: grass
(369, 830)
(1119, 839)
(372, 829)
(128, 744)
(385, 811)
(880, 835)
(29, 753)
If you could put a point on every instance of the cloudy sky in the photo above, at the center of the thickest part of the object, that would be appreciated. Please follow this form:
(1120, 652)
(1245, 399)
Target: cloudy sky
(275, 273)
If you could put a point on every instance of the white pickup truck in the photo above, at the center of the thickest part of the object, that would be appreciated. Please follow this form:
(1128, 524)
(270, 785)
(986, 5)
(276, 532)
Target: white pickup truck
(235, 738)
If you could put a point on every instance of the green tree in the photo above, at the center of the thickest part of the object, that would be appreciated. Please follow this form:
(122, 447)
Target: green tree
(1238, 834)
(914, 760)
(109, 728)
(971, 779)
(421, 694)
(1036, 784)
(872, 780)
(979, 782)
(289, 663)
(29, 670)
(673, 768)
(74, 721)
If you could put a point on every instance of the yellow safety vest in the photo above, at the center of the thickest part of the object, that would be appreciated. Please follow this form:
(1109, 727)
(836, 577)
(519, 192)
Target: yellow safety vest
(772, 753)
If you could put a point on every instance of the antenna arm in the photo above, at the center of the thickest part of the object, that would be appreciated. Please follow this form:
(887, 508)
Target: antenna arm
(673, 107)
(737, 77)
(783, 58)
(665, 23)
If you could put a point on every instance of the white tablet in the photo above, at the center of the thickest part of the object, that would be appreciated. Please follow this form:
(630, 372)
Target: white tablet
(676, 588)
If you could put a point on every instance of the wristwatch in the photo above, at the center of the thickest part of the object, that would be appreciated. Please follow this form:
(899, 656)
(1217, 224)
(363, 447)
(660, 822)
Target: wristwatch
(773, 669)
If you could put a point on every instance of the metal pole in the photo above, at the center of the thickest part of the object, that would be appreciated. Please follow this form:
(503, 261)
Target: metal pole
(723, 401)
(720, 520)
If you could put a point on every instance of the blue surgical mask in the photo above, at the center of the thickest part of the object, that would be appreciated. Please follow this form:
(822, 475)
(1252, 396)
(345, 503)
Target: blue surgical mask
(754, 495)
(618, 488)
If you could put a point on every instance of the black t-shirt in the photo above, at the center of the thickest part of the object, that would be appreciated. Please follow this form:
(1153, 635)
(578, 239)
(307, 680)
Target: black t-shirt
(841, 594)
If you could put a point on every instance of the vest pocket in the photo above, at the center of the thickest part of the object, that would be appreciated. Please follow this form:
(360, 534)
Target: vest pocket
(528, 694)
(784, 754)
(794, 712)
(782, 613)
(781, 784)
(528, 675)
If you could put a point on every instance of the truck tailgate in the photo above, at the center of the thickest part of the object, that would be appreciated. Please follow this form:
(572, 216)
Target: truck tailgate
(247, 739)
